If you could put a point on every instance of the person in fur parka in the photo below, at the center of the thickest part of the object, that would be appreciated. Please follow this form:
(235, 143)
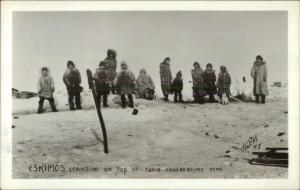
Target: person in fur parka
(198, 83)
(145, 85)
(101, 84)
(125, 84)
(72, 80)
(259, 75)
(209, 79)
(223, 82)
(45, 90)
(166, 78)
(177, 86)
(111, 67)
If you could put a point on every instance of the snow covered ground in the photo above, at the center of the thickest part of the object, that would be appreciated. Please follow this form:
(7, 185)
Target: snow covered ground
(162, 135)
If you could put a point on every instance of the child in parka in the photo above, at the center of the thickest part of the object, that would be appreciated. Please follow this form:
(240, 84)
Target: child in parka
(125, 84)
(102, 84)
(72, 80)
(259, 75)
(45, 90)
(223, 82)
(209, 79)
(177, 86)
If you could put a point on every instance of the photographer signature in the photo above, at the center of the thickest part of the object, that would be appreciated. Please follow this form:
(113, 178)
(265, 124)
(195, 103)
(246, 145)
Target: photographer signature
(252, 142)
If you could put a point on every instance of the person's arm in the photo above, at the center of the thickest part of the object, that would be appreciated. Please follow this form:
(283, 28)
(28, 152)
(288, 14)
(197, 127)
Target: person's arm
(253, 72)
(214, 77)
(116, 79)
(161, 73)
(66, 80)
(39, 88)
(52, 84)
(265, 74)
(79, 77)
(151, 83)
(132, 77)
(218, 81)
(96, 75)
(181, 84)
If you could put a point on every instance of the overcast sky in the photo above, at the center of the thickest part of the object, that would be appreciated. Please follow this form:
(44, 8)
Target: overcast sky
(144, 39)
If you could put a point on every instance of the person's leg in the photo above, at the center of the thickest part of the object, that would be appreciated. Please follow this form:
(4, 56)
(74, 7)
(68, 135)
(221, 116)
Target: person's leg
(71, 100)
(150, 94)
(165, 93)
(123, 99)
(180, 96)
(52, 104)
(105, 100)
(256, 98)
(195, 95)
(211, 98)
(166, 97)
(130, 98)
(263, 99)
(77, 101)
(175, 96)
(201, 99)
(41, 103)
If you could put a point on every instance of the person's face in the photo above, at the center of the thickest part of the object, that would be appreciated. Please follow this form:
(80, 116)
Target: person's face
(209, 68)
(44, 73)
(167, 61)
(102, 67)
(143, 72)
(259, 60)
(71, 67)
(110, 55)
(123, 67)
(196, 66)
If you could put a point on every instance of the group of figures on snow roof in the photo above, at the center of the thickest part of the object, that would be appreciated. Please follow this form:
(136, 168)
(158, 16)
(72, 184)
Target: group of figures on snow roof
(109, 81)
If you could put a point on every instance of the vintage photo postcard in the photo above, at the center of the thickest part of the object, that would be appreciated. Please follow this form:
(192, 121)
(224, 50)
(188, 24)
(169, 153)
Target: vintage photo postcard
(149, 95)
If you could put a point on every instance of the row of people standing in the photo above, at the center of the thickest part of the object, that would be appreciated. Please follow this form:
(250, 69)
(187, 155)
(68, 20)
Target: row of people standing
(204, 82)
(124, 83)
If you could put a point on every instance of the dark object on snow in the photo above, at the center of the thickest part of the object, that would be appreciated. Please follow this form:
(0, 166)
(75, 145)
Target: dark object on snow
(286, 112)
(92, 87)
(278, 84)
(227, 151)
(266, 126)
(272, 157)
(207, 134)
(216, 136)
(13, 126)
(280, 134)
(135, 111)
(23, 94)
(16, 117)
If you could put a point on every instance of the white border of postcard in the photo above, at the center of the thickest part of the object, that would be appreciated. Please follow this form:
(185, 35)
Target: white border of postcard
(7, 8)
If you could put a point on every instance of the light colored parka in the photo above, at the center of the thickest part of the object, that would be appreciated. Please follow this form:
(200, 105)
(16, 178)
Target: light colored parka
(144, 82)
(259, 75)
(46, 86)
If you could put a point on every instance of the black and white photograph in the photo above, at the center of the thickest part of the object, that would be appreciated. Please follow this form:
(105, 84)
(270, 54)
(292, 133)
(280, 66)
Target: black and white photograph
(161, 94)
